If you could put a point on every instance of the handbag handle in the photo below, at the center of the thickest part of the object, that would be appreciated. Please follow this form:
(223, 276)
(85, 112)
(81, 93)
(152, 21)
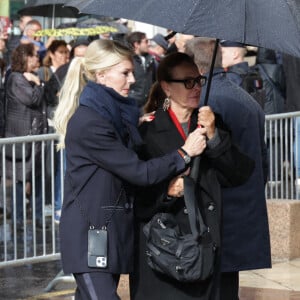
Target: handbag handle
(195, 218)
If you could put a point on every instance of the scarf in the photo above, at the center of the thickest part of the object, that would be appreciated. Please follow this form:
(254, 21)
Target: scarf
(121, 111)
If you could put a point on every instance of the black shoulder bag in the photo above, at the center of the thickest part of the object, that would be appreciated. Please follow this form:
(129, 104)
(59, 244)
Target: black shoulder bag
(186, 258)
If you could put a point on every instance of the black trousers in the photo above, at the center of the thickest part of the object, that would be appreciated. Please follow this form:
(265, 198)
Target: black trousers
(96, 286)
(229, 286)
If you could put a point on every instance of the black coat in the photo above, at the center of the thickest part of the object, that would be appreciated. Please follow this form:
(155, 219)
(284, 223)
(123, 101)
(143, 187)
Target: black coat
(246, 242)
(222, 165)
(24, 116)
(144, 78)
(291, 67)
(98, 166)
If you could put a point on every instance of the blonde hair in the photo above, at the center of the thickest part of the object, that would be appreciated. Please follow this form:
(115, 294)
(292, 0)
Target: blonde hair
(100, 56)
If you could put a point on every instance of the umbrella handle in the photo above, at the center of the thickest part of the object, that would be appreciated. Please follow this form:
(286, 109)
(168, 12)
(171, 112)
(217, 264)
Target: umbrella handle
(211, 71)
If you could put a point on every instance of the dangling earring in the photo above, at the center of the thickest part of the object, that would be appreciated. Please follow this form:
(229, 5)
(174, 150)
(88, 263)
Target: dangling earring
(166, 104)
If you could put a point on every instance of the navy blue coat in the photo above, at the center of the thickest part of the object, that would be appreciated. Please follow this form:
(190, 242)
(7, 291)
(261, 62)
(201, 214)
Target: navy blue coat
(99, 166)
(245, 236)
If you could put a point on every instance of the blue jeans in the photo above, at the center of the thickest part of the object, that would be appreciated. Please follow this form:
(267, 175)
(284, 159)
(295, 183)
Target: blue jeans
(20, 199)
(57, 190)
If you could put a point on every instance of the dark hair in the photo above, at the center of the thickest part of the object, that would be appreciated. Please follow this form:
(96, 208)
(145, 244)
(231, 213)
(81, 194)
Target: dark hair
(78, 43)
(135, 37)
(155, 99)
(164, 72)
(2, 67)
(171, 61)
(19, 57)
(52, 48)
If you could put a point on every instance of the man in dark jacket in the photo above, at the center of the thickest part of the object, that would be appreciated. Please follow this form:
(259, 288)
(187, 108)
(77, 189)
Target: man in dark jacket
(245, 231)
(144, 68)
(291, 66)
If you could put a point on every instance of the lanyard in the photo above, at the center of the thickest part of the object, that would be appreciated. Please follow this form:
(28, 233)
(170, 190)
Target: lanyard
(177, 124)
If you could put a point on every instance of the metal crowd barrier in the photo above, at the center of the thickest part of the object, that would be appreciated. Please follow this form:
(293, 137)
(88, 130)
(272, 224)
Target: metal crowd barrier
(282, 144)
(23, 240)
(27, 241)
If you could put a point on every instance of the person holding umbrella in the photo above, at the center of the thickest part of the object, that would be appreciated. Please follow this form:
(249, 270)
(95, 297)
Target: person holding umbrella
(245, 230)
(175, 97)
(98, 124)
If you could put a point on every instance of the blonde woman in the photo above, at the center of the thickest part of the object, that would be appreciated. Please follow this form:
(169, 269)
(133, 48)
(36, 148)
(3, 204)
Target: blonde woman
(98, 124)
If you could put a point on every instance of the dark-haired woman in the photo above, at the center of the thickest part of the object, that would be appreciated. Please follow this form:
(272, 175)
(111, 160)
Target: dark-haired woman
(24, 97)
(175, 97)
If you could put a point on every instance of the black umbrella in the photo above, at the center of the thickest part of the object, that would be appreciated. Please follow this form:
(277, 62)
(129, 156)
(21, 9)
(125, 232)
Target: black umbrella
(49, 8)
(273, 24)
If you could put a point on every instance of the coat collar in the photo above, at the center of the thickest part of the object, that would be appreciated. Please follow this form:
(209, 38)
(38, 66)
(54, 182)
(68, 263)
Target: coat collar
(167, 136)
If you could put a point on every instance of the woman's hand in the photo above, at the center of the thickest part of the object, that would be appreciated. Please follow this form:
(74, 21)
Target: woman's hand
(147, 117)
(206, 119)
(31, 77)
(195, 142)
(176, 187)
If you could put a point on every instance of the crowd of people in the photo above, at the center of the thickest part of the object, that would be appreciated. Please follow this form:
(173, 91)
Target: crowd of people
(131, 117)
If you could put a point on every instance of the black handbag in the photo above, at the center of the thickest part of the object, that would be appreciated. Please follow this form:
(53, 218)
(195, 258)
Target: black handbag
(184, 257)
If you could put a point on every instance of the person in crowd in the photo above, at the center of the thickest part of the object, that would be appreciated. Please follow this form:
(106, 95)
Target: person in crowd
(291, 69)
(24, 102)
(14, 38)
(245, 230)
(30, 29)
(51, 94)
(171, 38)
(57, 55)
(144, 67)
(269, 65)
(179, 44)
(98, 125)
(233, 60)
(2, 96)
(238, 70)
(158, 47)
(4, 51)
(177, 95)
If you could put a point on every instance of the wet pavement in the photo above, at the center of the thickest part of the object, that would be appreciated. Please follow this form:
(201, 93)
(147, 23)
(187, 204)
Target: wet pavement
(30, 282)
(37, 282)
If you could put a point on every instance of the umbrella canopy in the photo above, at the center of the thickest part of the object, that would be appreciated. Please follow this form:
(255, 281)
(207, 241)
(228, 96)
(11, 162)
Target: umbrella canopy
(273, 24)
(49, 8)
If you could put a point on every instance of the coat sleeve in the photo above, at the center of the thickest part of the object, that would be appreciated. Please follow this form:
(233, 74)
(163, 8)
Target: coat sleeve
(32, 95)
(233, 167)
(96, 142)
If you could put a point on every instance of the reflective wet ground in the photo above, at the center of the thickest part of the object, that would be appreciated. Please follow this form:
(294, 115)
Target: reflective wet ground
(30, 282)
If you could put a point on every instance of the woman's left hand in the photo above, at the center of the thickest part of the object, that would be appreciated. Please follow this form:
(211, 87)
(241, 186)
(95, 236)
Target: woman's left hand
(176, 187)
(147, 117)
(206, 119)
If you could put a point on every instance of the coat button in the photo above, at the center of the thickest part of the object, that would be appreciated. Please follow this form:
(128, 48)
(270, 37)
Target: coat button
(211, 206)
(127, 205)
(185, 211)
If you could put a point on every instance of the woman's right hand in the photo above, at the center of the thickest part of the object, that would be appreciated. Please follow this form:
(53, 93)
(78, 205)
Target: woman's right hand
(31, 77)
(195, 142)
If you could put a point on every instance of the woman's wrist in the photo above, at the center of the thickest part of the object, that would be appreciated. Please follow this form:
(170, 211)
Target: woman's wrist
(185, 156)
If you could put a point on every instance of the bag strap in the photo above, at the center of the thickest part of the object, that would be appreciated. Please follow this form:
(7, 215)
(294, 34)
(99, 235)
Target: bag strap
(83, 211)
(110, 217)
(195, 218)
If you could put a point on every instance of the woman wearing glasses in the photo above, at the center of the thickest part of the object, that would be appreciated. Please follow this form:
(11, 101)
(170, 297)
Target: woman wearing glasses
(175, 97)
